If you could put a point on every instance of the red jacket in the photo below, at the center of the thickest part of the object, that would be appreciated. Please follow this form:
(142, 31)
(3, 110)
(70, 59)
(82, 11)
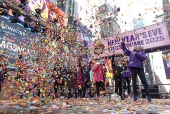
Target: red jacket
(97, 72)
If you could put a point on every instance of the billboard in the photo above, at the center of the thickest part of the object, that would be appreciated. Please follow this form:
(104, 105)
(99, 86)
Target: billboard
(84, 35)
(166, 62)
(15, 39)
(49, 11)
(149, 37)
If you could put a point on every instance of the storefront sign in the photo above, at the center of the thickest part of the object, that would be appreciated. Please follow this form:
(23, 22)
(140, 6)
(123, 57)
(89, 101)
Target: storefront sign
(148, 37)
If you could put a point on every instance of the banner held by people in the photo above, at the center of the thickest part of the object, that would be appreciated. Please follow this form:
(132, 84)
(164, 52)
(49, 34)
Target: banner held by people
(149, 37)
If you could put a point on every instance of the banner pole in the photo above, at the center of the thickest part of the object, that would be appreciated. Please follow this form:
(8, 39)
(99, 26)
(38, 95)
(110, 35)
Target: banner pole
(154, 80)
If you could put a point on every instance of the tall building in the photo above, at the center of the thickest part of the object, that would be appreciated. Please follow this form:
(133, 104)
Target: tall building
(160, 18)
(166, 4)
(109, 26)
(138, 23)
(69, 7)
(63, 5)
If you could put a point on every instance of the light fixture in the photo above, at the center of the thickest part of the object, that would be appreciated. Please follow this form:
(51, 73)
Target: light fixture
(23, 2)
(118, 9)
(38, 11)
(2, 5)
(55, 20)
(44, 31)
(57, 37)
(36, 28)
(15, 18)
(3, 11)
(26, 23)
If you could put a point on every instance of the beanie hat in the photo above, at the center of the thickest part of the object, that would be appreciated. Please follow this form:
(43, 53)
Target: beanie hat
(141, 48)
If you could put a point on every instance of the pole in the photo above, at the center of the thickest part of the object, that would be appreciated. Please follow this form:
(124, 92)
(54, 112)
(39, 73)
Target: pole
(153, 74)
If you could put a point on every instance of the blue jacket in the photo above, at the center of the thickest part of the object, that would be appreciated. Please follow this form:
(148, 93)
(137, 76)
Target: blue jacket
(135, 60)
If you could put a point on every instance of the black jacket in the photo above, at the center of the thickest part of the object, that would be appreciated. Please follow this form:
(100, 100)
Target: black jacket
(125, 68)
(86, 75)
(117, 71)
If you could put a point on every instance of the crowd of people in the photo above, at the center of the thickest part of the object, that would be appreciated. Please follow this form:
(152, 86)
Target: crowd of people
(79, 83)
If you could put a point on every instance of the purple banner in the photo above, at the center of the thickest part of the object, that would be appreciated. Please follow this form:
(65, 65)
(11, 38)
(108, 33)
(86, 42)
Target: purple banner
(153, 36)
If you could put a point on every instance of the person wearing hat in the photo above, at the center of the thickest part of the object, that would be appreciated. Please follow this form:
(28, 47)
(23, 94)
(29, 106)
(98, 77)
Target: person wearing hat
(136, 61)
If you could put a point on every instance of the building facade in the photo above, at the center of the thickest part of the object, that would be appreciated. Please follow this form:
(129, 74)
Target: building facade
(166, 12)
(138, 23)
(70, 7)
(108, 24)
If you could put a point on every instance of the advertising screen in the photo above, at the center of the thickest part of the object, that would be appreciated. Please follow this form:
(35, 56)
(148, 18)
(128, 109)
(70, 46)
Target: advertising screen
(15, 39)
(85, 36)
(49, 11)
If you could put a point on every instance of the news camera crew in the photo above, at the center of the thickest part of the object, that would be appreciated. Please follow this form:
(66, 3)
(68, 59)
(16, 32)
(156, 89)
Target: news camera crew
(126, 78)
(136, 61)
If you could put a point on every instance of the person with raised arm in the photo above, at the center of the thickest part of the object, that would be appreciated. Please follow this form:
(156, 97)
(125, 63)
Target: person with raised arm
(135, 63)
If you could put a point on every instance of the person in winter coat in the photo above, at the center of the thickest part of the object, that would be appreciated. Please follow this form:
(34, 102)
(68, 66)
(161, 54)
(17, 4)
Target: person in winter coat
(71, 84)
(136, 60)
(126, 78)
(118, 78)
(98, 76)
(86, 79)
(79, 80)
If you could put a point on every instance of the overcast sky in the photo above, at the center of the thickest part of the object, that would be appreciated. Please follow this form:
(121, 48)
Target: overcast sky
(129, 9)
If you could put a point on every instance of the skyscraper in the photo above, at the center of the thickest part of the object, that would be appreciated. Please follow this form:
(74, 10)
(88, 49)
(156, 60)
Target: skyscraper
(70, 7)
(166, 4)
(63, 5)
(138, 23)
(109, 26)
